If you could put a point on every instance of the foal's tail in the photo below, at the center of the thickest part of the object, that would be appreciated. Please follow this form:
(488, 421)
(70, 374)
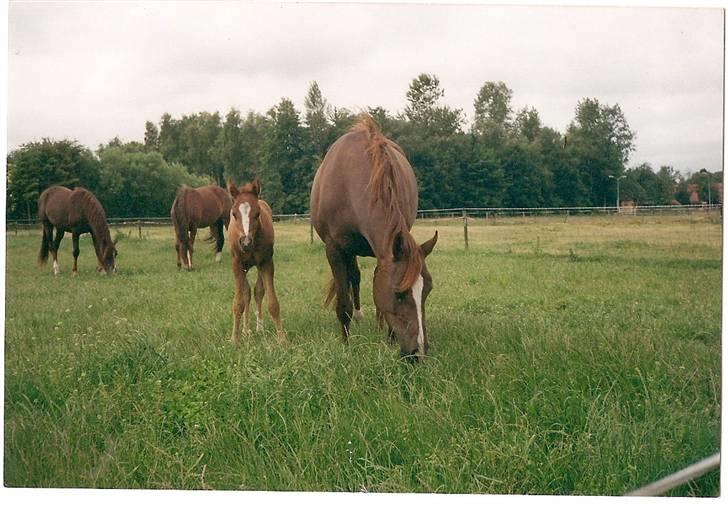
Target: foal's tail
(179, 218)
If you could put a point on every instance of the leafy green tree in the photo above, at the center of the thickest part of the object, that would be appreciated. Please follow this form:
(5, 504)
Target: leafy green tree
(285, 163)
(151, 137)
(599, 144)
(527, 182)
(320, 131)
(493, 112)
(38, 165)
(138, 183)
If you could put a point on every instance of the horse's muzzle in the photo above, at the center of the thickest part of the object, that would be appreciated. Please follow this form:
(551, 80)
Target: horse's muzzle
(245, 242)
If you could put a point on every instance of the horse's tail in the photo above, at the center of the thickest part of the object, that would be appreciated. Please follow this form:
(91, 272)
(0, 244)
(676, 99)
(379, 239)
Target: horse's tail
(180, 219)
(45, 243)
(47, 237)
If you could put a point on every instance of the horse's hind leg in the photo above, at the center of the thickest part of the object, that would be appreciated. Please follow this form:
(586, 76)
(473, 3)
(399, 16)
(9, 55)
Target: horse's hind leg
(354, 275)
(54, 250)
(219, 236)
(76, 251)
(267, 271)
(179, 255)
(191, 246)
(338, 263)
(259, 292)
(241, 303)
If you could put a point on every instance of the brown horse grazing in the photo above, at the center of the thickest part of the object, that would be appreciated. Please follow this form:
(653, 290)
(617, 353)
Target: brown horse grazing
(79, 212)
(363, 203)
(193, 208)
(251, 244)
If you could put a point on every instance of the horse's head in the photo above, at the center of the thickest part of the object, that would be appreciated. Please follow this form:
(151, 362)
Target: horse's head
(401, 286)
(244, 214)
(108, 256)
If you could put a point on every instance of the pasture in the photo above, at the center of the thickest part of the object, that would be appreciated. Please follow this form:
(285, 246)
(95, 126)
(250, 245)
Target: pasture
(566, 358)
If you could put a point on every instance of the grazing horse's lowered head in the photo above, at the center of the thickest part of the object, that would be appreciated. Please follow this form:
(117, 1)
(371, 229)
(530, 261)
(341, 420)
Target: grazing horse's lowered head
(401, 286)
(108, 257)
(245, 211)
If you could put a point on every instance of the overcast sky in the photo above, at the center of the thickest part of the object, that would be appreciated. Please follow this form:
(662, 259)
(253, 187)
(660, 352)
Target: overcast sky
(92, 71)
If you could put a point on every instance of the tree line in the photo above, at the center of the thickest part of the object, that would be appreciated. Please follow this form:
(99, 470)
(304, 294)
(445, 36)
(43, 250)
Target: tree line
(501, 158)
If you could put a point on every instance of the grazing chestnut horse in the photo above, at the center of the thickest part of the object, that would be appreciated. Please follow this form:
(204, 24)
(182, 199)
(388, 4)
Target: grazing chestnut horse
(79, 212)
(251, 237)
(193, 208)
(363, 203)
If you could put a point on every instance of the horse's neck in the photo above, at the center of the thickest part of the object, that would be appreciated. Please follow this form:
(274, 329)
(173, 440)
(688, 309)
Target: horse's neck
(101, 235)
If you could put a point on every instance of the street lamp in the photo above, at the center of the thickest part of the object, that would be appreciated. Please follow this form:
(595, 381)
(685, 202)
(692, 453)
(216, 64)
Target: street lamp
(703, 171)
(617, 178)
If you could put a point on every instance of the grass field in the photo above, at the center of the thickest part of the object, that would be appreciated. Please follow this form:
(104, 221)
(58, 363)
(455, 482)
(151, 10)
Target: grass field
(566, 358)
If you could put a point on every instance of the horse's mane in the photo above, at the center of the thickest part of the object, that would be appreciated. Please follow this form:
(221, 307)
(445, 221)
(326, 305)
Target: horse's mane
(95, 215)
(384, 189)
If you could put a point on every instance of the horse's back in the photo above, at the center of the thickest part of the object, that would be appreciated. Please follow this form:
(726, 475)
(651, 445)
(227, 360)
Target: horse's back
(342, 205)
(54, 204)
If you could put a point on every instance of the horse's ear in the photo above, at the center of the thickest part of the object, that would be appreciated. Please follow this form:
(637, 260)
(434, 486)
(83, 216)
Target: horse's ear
(427, 246)
(256, 187)
(232, 188)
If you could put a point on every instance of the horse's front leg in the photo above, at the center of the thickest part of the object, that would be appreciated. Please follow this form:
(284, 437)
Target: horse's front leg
(267, 271)
(241, 302)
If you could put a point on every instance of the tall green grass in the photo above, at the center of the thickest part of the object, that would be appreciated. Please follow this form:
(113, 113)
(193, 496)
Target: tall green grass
(566, 358)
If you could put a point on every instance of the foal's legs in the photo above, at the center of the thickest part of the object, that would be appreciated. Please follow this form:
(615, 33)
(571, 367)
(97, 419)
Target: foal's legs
(259, 292)
(266, 271)
(54, 250)
(241, 302)
(76, 251)
(338, 262)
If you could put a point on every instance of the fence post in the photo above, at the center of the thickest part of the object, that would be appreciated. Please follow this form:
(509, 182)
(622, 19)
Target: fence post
(139, 227)
(465, 227)
(310, 231)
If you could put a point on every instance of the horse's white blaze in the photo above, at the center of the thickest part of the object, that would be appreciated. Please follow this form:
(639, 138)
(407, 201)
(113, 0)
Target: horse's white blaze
(417, 295)
(56, 269)
(245, 217)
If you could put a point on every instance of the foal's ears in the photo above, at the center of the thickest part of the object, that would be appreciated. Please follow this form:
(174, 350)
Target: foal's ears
(255, 187)
(427, 246)
(232, 188)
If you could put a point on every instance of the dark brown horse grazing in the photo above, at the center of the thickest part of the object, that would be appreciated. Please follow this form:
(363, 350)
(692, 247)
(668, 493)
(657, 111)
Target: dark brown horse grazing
(193, 208)
(79, 212)
(251, 240)
(363, 203)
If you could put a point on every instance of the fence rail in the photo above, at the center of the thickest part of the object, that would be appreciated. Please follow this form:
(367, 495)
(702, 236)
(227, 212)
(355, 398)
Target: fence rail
(455, 212)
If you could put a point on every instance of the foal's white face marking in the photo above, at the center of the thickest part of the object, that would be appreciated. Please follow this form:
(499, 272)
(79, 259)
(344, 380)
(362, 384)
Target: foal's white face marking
(417, 295)
(245, 217)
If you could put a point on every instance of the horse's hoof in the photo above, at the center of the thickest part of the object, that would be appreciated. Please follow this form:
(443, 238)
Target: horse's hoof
(74, 274)
(358, 315)
(282, 337)
(218, 257)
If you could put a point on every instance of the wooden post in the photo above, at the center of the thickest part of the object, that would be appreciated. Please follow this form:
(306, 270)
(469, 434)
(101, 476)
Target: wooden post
(139, 226)
(465, 227)
(310, 223)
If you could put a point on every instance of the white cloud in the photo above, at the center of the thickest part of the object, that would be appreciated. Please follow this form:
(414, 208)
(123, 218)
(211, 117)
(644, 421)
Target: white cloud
(92, 71)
